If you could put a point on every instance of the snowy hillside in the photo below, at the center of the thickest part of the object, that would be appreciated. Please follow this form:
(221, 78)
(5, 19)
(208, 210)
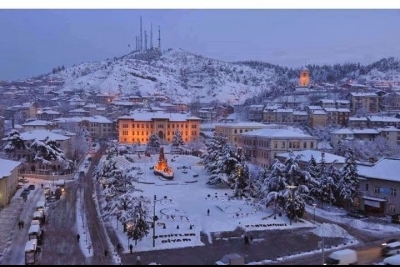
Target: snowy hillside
(177, 74)
(185, 77)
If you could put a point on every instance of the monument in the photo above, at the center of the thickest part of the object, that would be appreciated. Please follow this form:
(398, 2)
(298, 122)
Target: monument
(162, 168)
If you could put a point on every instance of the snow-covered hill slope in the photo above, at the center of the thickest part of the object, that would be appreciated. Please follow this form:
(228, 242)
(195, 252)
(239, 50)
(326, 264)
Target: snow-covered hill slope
(177, 74)
(185, 77)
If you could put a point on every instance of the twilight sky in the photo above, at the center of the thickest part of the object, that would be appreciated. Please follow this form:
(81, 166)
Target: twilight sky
(34, 41)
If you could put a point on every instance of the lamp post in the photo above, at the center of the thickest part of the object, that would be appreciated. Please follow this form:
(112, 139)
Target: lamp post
(314, 205)
(155, 218)
(291, 187)
(54, 174)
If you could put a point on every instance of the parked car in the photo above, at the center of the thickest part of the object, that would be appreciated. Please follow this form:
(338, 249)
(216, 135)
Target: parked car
(390, 241)
(25, 192)
(359, 214)
(31, 187)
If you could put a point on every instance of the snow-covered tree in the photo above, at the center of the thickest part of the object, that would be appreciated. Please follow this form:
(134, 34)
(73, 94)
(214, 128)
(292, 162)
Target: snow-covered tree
(349, 182)
(177, 140)
(14, 143)
(213, 153)
(154, 143)
(286, 186)
(138, 226)
(48, 151)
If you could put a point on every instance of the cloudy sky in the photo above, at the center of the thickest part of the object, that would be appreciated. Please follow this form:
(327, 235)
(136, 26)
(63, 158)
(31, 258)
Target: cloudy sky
(34, 41)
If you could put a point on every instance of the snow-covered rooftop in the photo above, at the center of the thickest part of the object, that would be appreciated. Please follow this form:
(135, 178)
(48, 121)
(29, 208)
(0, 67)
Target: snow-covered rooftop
(42, 135)
(149, 116)
(37, 123)
(7, 166)
(277, 133)
(305, 156)
(384, 169)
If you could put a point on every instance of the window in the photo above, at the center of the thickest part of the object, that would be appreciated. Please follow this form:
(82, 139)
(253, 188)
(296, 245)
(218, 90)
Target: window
(124, 125)
(124, 132)
(376, 190)
(133, 125)
(366, 187)
(283, 144)
(393, 192)
(194, 126)
(235, 131)
(312, 145)
(304, 144)
(275, 144)
(392, 208)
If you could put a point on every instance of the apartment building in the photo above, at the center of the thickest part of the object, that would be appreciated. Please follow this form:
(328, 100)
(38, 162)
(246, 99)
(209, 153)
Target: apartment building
(368, 102)
(233, 130)
(137, 127)
(99, 127)
(8, 180)
(358, 122)
(317, 117)
(262, 145)
(380, 187)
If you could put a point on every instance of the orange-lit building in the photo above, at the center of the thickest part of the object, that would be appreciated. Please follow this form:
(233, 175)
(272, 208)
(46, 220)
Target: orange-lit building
(304, 80)
(137, 127)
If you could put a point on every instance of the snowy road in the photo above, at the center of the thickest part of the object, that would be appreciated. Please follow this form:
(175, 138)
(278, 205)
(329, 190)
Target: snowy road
(18, 209)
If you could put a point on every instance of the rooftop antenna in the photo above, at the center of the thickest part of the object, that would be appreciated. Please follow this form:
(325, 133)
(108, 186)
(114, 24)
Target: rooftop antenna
(141, 35)
(136, 40)
(159, 38)
(151, 35)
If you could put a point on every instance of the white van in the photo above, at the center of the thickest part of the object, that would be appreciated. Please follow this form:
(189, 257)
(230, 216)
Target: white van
(34, 232)
(342, 257)
(30, 252)
(35, 222)
(391, 249)
(392, 260)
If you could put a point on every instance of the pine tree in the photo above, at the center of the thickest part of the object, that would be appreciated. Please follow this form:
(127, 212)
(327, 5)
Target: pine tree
(154, 143)
(140, 227)
(349, 183)
(15, 142)
(177, 140)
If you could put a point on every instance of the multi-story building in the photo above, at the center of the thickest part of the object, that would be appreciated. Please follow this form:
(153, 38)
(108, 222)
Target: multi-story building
(338, 116)
(137, 127)
(327, 103)
(233, 130)
(38, 125)
(305, 157)
(284, 116)
(317, 117)
(256, 112)
(379, 185)
(358, 122)
(380, 121)
(390, 102)
(262, 146)
(300, 117)
(47, 114)
(8, 180)
(367, 102)
(342, 104)
(99, 127)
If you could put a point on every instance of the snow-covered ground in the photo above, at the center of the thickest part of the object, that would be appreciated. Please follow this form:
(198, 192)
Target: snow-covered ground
(182, 206)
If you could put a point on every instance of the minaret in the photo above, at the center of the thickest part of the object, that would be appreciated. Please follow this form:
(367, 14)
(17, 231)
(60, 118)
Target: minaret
(151, 36)
(159, 38)
(141, 35)
(304, 79)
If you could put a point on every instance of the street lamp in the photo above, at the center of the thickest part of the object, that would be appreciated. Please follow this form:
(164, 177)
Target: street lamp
(314, 205)
(155, 218)
(291, 188)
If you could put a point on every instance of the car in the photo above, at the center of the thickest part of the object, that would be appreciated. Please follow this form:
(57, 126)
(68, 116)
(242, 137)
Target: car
(359, 214)
(31, 187)
(392, 240)
(25, 192)
(395, 218)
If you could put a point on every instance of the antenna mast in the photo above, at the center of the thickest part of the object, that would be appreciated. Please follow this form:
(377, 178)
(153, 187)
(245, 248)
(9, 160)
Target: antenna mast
(141, 35)
(145, 40)
(151, 36)
(159, 38)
